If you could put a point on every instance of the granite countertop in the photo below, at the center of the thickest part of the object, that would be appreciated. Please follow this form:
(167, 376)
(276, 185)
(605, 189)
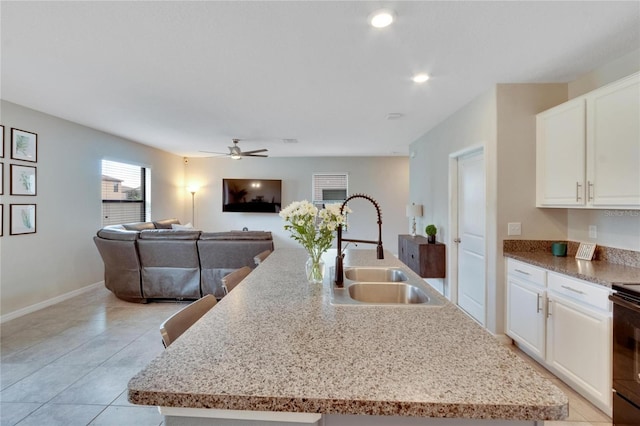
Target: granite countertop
(595, 271)
(276, 343)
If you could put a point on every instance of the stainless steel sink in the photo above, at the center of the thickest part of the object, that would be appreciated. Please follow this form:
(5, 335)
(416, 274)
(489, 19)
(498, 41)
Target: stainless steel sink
(386, 292)
(382, 286)
(374, 274)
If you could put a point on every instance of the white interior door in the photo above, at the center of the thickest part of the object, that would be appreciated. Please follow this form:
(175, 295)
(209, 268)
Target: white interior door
(471, 236)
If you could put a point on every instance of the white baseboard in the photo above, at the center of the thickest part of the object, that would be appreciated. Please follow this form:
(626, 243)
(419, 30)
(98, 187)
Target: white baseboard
(46, 303)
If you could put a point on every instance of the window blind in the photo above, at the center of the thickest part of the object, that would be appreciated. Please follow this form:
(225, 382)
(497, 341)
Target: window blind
(124, 193)
(329, 188)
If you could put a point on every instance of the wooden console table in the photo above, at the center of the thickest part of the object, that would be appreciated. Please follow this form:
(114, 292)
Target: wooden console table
(427, 260)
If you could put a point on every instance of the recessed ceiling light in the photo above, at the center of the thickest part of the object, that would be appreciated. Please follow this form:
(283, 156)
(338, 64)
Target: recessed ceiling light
(382, 18)
(420, 78)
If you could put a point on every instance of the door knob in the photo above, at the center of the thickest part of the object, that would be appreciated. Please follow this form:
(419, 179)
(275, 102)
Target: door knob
(457, 240)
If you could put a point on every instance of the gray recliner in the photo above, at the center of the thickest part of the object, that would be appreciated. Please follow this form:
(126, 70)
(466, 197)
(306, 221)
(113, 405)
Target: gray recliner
(169, 263)
(223, 252)
(150, 260)
(121, 265)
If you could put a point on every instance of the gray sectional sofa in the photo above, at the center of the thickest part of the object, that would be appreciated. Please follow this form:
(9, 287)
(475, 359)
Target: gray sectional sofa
(149, 260)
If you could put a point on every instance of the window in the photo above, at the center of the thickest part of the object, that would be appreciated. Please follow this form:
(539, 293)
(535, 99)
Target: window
(125, 189)
(330, 188)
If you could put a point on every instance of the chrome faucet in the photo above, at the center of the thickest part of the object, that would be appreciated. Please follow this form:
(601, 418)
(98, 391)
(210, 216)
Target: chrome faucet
(379, 250)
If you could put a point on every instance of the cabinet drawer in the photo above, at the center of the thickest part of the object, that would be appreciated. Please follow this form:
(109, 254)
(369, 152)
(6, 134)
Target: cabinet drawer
(526, 272)
(581, 291)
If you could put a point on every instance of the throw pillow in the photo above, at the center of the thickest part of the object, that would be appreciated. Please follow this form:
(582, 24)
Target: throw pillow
(178, 227)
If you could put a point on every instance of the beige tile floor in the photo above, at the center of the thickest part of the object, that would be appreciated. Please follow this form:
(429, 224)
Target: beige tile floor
(69, 364)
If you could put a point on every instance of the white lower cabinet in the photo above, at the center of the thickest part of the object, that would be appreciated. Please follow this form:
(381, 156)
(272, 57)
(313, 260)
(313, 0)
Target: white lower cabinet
(573, 338)
(526, 308)
(579, 337)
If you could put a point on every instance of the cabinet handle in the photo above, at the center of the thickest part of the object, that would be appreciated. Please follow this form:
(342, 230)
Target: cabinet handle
(572, 289)
(522, 272)
(538, 304)
(589, 190)
(578, 186)
(549, 307)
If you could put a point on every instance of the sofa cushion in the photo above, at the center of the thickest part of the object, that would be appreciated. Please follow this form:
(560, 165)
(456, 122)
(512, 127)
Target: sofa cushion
(237, 235)
(165, 223)
(115, 227)
(115, 234)
(179, 227)
(138, 226)
(168, 234)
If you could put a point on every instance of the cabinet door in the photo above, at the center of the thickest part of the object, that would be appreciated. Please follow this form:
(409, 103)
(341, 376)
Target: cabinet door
(579, 349)
(525, 316)
(560, 155)
(613, 144)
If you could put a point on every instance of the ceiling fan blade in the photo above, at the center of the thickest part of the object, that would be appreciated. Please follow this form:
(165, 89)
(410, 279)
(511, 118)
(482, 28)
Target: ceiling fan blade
(219, 153)
(255, 151)
(254, 155)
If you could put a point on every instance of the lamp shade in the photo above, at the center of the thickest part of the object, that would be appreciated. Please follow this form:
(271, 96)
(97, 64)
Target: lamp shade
(414, 210)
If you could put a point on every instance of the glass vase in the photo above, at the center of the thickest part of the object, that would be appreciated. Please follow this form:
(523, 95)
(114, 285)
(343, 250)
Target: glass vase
(315, 270)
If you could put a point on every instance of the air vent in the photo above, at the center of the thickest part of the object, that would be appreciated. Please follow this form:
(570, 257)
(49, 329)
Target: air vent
(290, 140)
(394, 115)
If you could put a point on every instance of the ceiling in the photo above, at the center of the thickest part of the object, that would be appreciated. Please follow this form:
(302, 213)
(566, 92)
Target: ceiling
(190, 76)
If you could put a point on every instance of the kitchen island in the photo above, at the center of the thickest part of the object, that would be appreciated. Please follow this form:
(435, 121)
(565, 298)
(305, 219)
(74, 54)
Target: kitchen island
(277, 349)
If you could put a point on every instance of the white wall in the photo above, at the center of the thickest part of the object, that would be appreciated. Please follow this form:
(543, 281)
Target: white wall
(386, 179)
(616, 228)
(502, 121)
(517, 106)
(61, 257)
(473, 125)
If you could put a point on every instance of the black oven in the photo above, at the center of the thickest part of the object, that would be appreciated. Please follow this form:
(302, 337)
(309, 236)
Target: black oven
(626, 354)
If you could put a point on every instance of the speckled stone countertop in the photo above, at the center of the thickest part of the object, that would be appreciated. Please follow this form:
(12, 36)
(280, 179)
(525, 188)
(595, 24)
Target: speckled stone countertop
(595, 271)
(276, 343)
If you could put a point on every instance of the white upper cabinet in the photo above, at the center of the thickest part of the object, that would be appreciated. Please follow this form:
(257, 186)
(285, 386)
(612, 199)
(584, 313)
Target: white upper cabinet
(588, 149)
(560, 155)
(613, 144)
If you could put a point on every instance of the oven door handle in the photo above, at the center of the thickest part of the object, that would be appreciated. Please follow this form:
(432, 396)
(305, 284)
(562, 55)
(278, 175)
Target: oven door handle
(623, 302)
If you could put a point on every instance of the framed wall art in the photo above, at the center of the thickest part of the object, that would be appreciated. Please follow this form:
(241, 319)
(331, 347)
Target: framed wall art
(23, 180)
(1, 220)
(2, 141)
(24, 145)
(22, 219)
(1, 178)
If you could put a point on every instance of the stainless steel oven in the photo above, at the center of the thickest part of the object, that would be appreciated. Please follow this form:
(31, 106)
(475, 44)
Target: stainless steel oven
(626, 354)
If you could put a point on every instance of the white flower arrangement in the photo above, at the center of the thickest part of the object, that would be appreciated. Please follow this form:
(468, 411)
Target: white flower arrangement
(313, 229)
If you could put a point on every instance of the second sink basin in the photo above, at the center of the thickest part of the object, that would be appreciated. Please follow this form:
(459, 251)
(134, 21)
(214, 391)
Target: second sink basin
(386, 292)
(374, 274)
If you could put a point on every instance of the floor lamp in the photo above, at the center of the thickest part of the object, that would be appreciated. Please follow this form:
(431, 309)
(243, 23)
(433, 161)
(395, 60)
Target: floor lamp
(414, 210)
(192, 189)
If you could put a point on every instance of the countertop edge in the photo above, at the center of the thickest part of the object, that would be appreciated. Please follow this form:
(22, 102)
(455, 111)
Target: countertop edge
(354, 407)
(530, 258)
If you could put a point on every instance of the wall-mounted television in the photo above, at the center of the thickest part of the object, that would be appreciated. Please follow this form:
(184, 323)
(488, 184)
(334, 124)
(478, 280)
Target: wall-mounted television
(251, 195)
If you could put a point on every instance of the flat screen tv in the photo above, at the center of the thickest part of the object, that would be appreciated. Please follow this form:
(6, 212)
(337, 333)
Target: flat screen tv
(252, 195)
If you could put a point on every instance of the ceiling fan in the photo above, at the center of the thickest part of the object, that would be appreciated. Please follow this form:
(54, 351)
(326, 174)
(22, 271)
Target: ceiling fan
(236, 153)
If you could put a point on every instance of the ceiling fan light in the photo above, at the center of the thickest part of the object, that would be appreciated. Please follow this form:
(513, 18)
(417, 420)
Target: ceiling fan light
(236, 156)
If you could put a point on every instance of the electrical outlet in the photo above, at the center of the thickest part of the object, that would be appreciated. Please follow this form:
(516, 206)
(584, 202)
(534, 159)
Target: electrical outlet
(514, 228)
(593, 231)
